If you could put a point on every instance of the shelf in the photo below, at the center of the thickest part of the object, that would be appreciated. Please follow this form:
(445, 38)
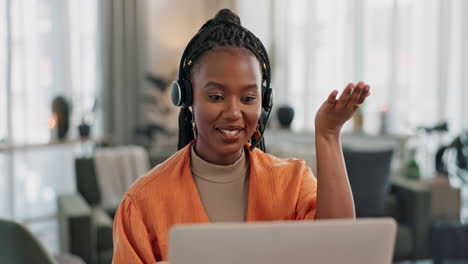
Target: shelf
(32, 146)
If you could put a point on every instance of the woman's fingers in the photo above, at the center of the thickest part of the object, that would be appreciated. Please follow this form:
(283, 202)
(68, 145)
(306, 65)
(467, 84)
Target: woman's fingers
(364, 95)
(351, 97)
(356, 95)
(332, 97)
(345, 96)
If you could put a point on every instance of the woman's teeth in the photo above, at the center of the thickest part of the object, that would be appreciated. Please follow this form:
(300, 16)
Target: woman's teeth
(230, 132)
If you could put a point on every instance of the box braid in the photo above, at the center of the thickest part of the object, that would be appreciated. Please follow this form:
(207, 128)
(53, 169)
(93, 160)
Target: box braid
(224, 30)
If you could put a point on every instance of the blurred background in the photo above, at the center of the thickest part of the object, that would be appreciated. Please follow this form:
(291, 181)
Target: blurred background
(84, 86)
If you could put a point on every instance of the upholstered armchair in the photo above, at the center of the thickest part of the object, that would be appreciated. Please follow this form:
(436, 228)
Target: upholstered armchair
(86, 217)
(85, 228)
(19, 246)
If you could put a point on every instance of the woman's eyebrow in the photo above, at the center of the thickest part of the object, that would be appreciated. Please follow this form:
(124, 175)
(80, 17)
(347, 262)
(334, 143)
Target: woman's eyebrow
(215, 84)
(250, 87)
(219, 85)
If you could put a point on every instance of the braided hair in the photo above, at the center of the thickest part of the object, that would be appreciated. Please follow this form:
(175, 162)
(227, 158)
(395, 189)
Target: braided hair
(224, 30)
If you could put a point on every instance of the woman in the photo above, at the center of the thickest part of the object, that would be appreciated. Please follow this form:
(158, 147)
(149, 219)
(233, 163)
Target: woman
(217, 175)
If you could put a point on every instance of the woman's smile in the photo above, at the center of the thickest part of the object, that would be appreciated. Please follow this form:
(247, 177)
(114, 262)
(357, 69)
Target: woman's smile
(230, 134)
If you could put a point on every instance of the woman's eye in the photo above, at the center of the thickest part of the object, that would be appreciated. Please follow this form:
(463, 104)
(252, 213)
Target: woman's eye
(215, 97)
(248, 99)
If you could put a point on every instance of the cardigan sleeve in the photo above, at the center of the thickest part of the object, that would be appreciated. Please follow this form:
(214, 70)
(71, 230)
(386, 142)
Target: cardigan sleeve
(132, 243)
(307, 198)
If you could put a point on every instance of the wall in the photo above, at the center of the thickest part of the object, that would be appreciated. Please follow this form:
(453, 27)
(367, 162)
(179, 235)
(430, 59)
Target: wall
(256, 16)
(171, 24)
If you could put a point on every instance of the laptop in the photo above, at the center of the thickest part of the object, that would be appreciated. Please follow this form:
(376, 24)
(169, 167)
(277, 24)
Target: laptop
(349, 241)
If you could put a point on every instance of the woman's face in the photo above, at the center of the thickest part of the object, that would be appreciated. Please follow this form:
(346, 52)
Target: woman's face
(226, 102)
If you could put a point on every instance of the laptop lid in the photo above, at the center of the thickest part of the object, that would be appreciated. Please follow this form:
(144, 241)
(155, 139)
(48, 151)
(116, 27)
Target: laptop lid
(295, 242)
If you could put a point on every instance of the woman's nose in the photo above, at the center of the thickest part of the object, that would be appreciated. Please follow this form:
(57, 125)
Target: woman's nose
(232, 110)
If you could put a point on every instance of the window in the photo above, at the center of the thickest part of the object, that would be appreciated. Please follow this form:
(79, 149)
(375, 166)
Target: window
(413, 53)
(54, 51)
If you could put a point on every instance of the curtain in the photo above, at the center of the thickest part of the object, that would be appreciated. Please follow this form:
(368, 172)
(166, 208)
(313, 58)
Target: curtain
(3, 69)
(413, 53)
(123, 46)
(4, 59)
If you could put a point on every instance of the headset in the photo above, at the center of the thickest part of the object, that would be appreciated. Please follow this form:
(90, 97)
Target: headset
(181, 91)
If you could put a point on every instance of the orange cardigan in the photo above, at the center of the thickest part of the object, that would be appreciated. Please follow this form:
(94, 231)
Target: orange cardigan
(279, 190)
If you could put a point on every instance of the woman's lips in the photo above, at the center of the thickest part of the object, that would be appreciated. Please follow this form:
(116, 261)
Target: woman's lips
(229, 135)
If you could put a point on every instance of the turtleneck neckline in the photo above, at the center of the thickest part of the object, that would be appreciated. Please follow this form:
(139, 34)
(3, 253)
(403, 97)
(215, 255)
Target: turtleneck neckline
(218, 173)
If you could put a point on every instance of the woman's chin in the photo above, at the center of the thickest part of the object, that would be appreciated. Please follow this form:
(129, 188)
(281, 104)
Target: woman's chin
(223, 148)
(230, 150)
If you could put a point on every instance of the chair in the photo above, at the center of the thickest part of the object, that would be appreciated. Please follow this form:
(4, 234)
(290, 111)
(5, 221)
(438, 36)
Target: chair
(85, 225)
(19, 246)
(377, 194)
(85, 230)
(369, 174)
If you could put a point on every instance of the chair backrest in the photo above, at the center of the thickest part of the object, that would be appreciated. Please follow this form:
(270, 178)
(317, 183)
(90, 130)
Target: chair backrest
(110, 172)
(369, 174)
(86, 180)
(19, 246)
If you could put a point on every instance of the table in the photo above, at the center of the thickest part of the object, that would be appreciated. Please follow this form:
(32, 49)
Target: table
(449, 240)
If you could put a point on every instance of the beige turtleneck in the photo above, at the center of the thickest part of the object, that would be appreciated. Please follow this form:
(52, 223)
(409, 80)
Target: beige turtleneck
(223, 190)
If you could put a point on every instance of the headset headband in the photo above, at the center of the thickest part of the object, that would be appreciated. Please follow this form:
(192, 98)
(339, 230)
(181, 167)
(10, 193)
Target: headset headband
(210, 24)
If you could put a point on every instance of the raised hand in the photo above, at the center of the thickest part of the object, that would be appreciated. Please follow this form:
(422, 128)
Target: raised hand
(334, 112)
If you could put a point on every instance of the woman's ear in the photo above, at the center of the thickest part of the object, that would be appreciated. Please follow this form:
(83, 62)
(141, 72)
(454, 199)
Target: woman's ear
(257, 135)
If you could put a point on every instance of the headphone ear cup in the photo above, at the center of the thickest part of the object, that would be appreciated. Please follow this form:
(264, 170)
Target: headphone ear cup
(187, 90)
(181, 93)
(267, 102)
(176, 93)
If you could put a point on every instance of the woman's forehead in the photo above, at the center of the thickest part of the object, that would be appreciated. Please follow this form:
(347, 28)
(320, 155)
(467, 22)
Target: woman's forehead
(229, 64)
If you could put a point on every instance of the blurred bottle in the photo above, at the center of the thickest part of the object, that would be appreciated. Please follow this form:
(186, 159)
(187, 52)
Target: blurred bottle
(412, 168)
